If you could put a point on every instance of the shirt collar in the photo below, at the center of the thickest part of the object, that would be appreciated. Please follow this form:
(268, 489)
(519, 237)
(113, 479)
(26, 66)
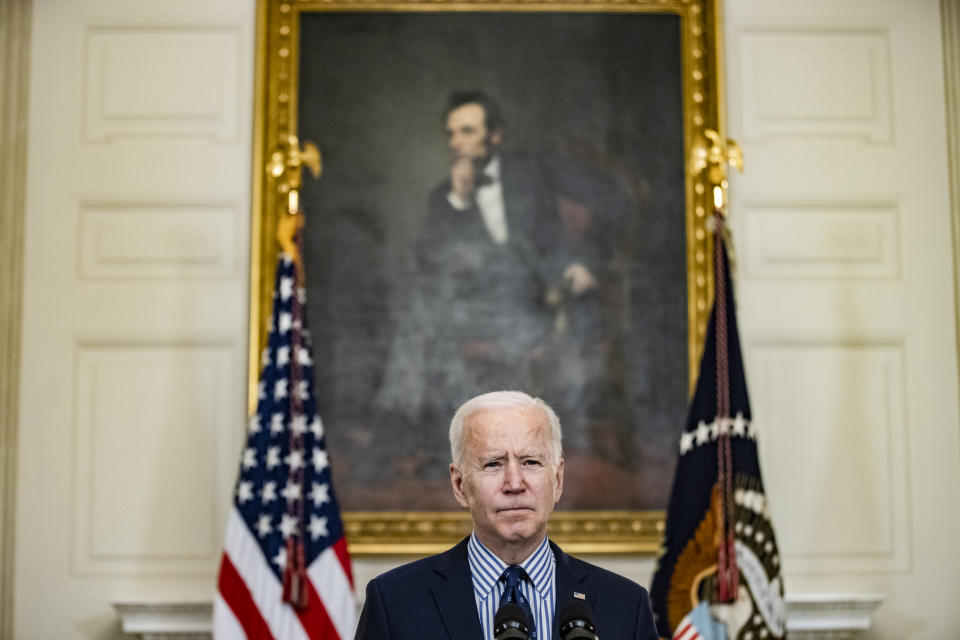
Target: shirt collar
(492, 170)
(486, 568)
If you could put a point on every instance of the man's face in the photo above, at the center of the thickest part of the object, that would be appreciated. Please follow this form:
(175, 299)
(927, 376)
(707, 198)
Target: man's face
(467, 130)
(508, 479)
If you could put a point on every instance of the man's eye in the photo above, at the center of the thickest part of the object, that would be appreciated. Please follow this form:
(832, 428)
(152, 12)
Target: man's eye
(532, 462)
(491, 465)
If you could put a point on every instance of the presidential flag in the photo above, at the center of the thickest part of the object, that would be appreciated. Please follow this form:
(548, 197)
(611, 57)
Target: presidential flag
(718, 573)
(285, 572)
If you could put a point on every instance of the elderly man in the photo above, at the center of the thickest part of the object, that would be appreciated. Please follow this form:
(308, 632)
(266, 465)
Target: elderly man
(507, 470)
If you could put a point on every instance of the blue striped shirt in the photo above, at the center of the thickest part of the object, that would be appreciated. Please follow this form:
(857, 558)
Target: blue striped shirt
(486, 570)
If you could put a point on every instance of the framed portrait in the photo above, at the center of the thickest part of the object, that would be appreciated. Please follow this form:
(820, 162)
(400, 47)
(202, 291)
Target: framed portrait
(574, 267)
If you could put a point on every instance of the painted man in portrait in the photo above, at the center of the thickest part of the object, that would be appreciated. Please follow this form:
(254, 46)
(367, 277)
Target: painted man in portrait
(494, 283)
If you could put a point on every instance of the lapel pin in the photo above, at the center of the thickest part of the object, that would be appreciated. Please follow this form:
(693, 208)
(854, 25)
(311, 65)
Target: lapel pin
(578, 595)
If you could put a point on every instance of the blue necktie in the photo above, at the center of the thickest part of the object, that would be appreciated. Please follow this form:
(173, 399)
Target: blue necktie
(513, 575)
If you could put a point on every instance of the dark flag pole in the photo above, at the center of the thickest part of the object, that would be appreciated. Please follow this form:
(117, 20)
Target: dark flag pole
(718, 572)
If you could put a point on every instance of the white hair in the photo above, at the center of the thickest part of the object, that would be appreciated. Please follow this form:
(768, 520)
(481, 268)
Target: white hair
(499, 400)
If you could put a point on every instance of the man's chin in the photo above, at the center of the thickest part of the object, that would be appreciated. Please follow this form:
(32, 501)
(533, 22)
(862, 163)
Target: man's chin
(518, 527)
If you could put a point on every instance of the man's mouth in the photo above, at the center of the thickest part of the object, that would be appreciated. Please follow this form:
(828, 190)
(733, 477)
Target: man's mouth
(509, 510)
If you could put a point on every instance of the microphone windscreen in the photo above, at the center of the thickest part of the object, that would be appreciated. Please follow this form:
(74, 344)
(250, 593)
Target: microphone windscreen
(511, 623)
(576, 621)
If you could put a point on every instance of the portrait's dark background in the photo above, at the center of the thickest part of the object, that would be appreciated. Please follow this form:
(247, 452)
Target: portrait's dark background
(597, 100)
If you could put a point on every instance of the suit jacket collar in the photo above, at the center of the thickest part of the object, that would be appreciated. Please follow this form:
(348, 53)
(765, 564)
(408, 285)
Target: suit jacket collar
(453, 594)
(571, 578)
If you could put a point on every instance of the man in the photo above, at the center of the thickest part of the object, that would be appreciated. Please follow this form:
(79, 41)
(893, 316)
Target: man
(485, 183)
(507, 469)
(493, 270)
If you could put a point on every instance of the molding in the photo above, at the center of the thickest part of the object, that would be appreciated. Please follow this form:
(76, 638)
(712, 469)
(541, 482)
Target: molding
(809, 615)
(15, 19)
(829, 615)
(168, 620)
(950, 25)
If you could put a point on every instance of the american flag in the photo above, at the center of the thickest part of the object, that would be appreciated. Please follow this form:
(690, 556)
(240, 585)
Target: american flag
(285, 571)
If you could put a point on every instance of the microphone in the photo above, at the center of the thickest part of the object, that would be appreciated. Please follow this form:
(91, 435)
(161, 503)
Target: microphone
(511, 623)
(576, 621)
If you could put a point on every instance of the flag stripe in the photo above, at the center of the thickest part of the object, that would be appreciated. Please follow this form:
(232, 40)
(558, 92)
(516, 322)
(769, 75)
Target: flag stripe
(337, 591)
(237, 606)
(314, 618)
(344, 557)
(267, 593)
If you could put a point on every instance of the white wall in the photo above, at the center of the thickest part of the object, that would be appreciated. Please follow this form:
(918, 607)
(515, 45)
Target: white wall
(842, 222)
(135, 305)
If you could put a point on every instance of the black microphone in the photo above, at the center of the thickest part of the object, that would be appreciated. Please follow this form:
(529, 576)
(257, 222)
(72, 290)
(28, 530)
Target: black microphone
(511, 623)
(576, 621)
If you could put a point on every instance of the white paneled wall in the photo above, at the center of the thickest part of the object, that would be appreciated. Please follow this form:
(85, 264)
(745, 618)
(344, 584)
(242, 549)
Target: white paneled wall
(842, 224)
(135, 313)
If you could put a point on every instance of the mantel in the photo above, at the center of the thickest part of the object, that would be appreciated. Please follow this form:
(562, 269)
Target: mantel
(824, 616)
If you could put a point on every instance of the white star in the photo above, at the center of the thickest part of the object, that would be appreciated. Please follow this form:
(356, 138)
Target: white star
(320, 461)
(686, 442)
(318, 527)
(249, 458)
(264, 528)
(244, 492)
(286, 288)
(703, 433)
(302, 390)
(288, 524)
(295, 460)
(273, 457)
(253, 426)
(316, 427)
(320, 494)
(751, 431)
(270, 325)
(281, 558)
(291, 491)
(301, 295)
(303, 357)
(283, 355)
(286, 259)
(739, 425)
(262, 390)
(265, 357)
(276, 423)
(715, 428)
(269, 492)
(299, 424)
(280, 389)
(286, 321)
(725, 425)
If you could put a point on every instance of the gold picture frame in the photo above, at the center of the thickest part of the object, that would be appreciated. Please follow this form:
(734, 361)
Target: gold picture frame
(275, 130)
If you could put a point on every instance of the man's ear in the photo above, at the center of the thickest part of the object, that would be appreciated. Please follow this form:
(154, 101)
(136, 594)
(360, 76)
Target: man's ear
(559, 482)
(496, 137)
(456, 481)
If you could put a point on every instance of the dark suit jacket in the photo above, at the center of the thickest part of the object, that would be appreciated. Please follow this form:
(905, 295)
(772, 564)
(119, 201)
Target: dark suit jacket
(433, 599)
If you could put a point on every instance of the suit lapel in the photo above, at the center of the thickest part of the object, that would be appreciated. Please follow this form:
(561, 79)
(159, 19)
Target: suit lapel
(570, 577)
(519, 196)
(453, 594)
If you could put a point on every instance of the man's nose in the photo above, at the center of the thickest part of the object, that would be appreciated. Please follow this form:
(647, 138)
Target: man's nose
(513, 477)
